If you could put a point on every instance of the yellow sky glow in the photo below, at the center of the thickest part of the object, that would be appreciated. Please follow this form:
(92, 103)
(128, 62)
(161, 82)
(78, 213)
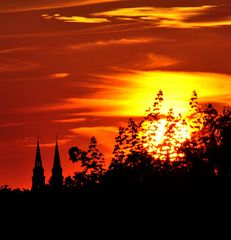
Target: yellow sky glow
(139, 94)
(137, 90)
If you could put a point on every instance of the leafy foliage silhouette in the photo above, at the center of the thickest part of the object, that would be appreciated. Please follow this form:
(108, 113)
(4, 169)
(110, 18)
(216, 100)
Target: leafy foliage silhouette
(92, 166)
(203, 154)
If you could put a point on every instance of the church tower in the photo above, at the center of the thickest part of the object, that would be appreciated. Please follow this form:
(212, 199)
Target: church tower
(56, 180)
(38, 178)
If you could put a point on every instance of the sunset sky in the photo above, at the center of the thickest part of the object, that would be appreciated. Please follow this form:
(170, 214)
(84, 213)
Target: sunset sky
(82, 68)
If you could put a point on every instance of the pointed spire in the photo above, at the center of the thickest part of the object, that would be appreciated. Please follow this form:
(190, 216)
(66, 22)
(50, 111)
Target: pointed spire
(56, 163)
(38, 178)
(38, 159)
(56, 180)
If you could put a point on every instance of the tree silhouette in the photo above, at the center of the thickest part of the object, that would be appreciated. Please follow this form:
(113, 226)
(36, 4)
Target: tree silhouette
(69, 184)
(95, 163)
(224, 149)
(127, 143)
(195, 147)
(167, 147)
(119, 149)
(92, 165)
(216, 139)
(196, 114)
(207, 150)
(150, 124)
(202, 152)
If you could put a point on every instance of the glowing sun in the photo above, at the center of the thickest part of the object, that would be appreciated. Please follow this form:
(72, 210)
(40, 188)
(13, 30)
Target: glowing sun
(163, 140)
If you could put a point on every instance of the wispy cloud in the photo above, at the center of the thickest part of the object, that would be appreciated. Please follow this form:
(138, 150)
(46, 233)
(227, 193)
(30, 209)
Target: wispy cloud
(15, 50)
(75, 19)
(111, 42)
(82, 103)
(59, 75)
(151, 61)
(25, 6)
(226, 22)
(70, 120)
(16, 124)
(88, 130)
(155, 12)
(174, 17)
(48, 144)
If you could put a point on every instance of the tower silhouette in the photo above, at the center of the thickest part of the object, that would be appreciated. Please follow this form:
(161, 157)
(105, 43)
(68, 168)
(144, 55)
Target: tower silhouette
(38, 178)
(56, 180)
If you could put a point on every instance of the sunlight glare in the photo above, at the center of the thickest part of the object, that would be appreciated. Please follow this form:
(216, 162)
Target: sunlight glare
(156, 139)
(134, 91)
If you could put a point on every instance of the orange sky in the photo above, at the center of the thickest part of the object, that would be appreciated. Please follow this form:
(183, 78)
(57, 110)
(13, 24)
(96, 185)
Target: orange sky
(81, 68)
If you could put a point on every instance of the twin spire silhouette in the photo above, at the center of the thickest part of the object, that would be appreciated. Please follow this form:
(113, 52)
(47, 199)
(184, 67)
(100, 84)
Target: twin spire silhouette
(38, 178)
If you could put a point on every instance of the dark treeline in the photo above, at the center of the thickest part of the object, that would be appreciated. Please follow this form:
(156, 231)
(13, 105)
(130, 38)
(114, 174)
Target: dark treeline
(142, 164)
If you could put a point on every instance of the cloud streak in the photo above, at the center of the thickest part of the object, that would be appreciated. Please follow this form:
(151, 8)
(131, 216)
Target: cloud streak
(24, 6)
(75, 19)
(112, 42)
(50, 144)
(16, 50)
(70, 120)
(6, 125)
(58, 75)
(150, 61)
(174, 17)
(82, 103)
